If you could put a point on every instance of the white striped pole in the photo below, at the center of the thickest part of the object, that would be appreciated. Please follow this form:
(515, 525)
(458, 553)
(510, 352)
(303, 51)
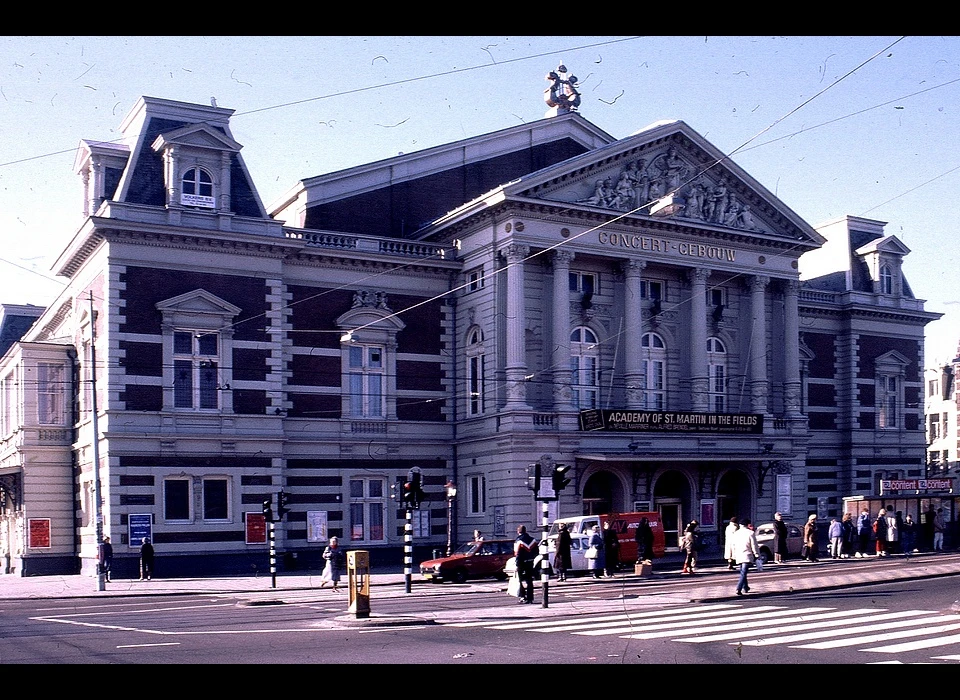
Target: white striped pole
(408, 550)
(545, 556)
(273, 554)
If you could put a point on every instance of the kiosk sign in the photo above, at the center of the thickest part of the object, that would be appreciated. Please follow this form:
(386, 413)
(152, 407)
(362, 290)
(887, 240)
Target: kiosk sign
(887, 485)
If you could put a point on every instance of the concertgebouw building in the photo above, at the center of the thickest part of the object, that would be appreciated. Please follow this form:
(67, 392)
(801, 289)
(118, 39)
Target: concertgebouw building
(640, 310)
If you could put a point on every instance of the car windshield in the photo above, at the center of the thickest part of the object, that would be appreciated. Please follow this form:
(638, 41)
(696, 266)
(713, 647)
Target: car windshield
(468, 548)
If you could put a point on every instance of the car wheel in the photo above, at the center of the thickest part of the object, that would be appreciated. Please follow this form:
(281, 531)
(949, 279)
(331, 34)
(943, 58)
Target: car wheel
(765, 555)
(459, 576)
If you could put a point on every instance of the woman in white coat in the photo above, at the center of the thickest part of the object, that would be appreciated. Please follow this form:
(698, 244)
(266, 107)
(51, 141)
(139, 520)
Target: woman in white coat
(728, 534)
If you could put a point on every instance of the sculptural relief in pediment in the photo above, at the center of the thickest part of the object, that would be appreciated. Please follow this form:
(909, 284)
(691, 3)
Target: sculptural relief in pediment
(637, 186)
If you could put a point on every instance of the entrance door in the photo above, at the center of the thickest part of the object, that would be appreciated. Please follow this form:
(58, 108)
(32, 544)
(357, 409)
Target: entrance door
(670, 519)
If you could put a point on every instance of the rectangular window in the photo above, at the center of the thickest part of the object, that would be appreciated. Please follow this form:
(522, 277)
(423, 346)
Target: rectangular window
(651, 383)
(933, 387)
(176, 499)
(583, 282)
(475, 279)
(718, 388)
(50, 393)
(585, 389)
(651, 289)
(367, 509)
(196, 360)
(215, 499)
(476, 385)
(366, 379)
(716, 297)
(477, 495)
(888, 397)
(934, 427)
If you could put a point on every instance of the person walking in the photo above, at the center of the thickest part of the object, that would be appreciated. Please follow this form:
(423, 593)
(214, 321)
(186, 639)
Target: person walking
(146, 559)
(880, 532)
(561, 558)
(848, 543)
(596, 565)
(810, 543)
(105, 557)
(908, 535)
(779, 539)
(835, 534)
(728, 534)
(864, 531)
(611, 550)
(938, 528)
(644, 538)
(333, 568)
(690, 544)
(525, 551)
(745, 553)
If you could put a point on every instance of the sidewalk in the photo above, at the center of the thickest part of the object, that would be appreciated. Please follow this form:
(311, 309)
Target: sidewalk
(712, 582)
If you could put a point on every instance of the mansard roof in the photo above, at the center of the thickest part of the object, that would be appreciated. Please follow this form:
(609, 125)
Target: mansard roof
(397, 196)
(154, 120)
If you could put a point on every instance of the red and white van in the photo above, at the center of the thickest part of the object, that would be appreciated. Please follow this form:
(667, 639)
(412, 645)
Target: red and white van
(624, 524)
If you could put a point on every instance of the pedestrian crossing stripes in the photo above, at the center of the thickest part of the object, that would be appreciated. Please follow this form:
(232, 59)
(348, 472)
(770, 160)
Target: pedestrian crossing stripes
(873, 630)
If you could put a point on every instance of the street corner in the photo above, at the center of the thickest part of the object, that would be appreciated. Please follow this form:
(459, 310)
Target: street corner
(374, 620)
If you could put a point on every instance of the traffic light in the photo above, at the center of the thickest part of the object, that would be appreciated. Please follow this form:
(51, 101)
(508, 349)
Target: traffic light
(407, 494)
(282, 504)
(533, 477)
(416, 487)
(268, 510)
(396, 491)
(559, 482)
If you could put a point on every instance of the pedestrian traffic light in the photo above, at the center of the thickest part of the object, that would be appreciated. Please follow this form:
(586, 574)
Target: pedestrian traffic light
(559, 481)
(282, 504)
(533, 477)
(268, 510)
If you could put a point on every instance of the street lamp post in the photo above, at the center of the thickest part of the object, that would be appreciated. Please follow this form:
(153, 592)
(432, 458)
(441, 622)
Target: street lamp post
(451, 496)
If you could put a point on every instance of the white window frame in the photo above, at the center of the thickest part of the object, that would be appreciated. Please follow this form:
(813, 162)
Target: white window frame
(717, 368)
(889, 401)
(203, 365)
(367, 507)
(189, 499)
(584, 282)
(475, 279)
(655, 290)
(653, 380)
(366, 380)
(225, 480)
(584, 368)
(476, 494)
(886, 278)
(198, 188)
(51, 393)
(476, 372)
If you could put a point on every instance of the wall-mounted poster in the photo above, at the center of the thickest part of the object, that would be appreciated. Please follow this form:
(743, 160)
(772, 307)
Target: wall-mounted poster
(38, 533)
(708, 516)
(317, 526)
(256, 528)
(140, 525)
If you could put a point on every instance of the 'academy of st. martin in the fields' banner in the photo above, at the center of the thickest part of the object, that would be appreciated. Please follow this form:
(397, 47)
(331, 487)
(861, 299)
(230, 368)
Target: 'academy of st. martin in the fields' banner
(671, 421)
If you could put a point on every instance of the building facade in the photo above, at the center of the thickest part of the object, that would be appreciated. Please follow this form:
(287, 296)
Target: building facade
(640, 310)
(942, 407)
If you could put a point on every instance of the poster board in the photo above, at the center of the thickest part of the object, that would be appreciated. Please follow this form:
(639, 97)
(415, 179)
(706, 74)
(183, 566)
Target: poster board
(255, 528)
(139, 525)
(38, 533)
(317, 526)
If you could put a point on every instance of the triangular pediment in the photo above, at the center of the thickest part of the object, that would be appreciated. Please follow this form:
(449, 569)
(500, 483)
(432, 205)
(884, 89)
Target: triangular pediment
(198, 302)
(888, 244)
(196, 136)
(628, 177)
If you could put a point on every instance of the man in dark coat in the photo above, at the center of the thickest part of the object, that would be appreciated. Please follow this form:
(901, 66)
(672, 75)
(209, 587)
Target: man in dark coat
(611, 548)
(106, 557)
(644, 537)
(525, 551)
(146, 559)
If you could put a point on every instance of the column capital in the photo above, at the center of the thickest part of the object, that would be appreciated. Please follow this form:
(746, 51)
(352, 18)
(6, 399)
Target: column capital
(515, 252)
(632, 267)
(698, 275)
(563, 257)
(758, 282)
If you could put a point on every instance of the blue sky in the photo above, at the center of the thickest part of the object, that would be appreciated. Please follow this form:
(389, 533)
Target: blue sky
(866, 125)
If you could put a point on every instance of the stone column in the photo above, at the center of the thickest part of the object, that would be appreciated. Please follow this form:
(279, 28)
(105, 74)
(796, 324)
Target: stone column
(633, 332)
(516, 369)
(699, 370)
(560, 360)
(791, 343)
(759, 387)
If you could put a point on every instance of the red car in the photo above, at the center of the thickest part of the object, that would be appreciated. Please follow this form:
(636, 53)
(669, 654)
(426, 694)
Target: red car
(472, 560)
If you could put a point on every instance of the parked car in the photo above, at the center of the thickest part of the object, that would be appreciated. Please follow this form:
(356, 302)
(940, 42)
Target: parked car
(766, 534)
(470, 561)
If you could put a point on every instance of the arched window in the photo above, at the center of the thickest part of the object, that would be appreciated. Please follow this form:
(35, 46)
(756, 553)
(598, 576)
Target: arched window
(653, 382)
(717, 366)
(475, 372)
(196, 188)
(584, 363)
(886, 280)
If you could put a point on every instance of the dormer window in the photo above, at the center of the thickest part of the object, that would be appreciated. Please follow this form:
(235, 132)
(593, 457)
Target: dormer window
(197, 189)
(886, 279)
